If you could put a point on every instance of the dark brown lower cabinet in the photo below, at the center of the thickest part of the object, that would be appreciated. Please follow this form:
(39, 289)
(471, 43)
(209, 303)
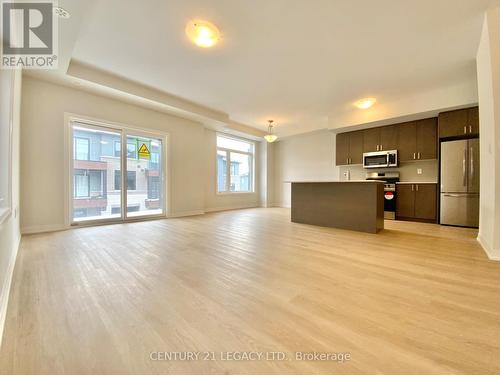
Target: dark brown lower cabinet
(426, 201)
(416, 202)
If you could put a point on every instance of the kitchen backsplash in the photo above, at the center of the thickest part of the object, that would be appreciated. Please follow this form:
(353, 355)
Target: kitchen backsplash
(408, 171)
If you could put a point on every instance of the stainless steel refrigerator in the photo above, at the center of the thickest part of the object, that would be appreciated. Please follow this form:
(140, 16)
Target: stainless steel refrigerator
(460, 183)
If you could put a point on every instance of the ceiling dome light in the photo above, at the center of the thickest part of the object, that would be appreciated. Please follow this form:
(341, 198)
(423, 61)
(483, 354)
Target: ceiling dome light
(365, 103)
(203, 33)
(270, 137)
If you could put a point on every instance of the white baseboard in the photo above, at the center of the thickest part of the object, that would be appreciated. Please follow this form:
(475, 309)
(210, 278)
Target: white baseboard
(186, 213)
(229, 208)
(491, 253)
(43, 228)
(5, 292)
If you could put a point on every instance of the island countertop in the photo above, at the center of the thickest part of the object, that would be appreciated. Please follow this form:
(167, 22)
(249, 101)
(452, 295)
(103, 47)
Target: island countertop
(354, 205)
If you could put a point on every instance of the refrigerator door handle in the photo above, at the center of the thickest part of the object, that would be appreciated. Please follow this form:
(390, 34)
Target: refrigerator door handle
(464, 167)
(471, 156)
(454, 195)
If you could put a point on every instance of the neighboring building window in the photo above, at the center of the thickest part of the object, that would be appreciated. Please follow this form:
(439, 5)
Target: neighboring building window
(82, 148)
(89, 184)
(131, 180)
(117, 149)
(131, 150)
(154, 187)
(235, 165)
(82, 188)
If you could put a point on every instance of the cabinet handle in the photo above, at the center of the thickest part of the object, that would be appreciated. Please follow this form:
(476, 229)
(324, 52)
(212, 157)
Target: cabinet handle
(418, 155)
(377, 148)
(381, 148)
(347, 160)
(465, 129)
(416, 187)
(412, 187)
(470, 129)
(414, 156)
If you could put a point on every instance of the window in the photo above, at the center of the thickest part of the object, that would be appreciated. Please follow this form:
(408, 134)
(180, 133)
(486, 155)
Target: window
(89, 184)
(235, 165)
(117, 149)
(131, 150)
(98, 183)
(131, 180)
(82, 149)
(81, 184)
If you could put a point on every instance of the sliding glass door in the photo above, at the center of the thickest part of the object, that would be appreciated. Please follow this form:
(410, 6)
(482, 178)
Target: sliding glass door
(144, 176)
(95, 197)
(100, 191)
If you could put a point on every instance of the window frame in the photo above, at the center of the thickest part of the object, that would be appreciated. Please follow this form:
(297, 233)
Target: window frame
(228, 151)
(6, 207)
(72, 120)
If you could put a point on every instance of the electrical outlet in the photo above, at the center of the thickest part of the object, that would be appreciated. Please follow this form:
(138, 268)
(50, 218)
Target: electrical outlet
(347, 175)
(419, 170)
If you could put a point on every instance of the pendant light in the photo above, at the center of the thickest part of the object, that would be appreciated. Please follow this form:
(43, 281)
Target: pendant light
(270, 137)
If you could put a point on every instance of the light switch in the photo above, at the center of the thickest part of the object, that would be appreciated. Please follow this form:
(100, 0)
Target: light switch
(419, 170)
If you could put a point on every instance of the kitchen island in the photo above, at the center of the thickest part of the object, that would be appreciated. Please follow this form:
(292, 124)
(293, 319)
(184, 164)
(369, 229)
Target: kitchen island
(354, 205)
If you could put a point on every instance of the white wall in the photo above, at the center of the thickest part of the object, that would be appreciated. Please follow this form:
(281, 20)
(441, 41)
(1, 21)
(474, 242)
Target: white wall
(42, 164)
(309, 156)
(9, 229)
(218, 202)
(488, 71)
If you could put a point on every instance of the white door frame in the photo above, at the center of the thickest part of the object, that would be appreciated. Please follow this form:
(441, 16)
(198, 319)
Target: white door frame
(124, 130)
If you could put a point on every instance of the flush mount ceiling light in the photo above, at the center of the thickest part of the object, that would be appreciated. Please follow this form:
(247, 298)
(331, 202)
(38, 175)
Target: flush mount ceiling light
(270, 137)
(365, 103)
(203, 33)
(62, 13)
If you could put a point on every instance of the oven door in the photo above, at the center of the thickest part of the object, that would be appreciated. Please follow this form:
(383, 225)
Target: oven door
(375, 160)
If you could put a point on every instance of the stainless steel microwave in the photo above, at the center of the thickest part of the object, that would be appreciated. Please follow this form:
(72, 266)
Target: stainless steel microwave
(380, 159)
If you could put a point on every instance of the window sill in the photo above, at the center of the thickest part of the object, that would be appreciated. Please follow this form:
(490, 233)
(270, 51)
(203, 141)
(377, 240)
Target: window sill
(4, 214)
(235, 192)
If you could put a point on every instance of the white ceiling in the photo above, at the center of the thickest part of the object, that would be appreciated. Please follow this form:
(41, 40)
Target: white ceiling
(296, 61)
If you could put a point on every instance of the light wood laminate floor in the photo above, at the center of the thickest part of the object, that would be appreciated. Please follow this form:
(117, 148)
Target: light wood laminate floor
(413, 299)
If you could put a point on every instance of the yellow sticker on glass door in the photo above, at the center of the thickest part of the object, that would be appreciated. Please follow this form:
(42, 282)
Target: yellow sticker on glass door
(144, 152)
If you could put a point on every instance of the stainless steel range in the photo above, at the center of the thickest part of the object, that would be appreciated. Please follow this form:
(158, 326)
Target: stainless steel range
(389, 179)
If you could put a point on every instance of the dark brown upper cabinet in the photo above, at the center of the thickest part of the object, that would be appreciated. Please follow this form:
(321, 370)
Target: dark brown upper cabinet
(356, 147)
(418, 140)
(474, 120)
(427, 142)
(407, 141)
(383, 138)
(349, 148)
(459, 123)
(389, 138)
(371, 140)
